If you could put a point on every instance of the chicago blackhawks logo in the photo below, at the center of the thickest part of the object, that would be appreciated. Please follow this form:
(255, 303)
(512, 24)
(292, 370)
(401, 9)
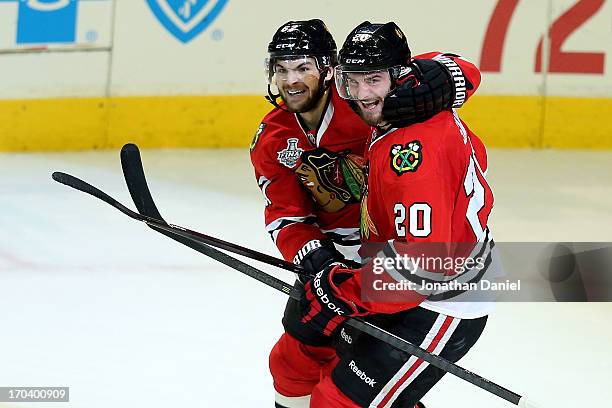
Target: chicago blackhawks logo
(290, 156)
(333, 179)
(405, 159)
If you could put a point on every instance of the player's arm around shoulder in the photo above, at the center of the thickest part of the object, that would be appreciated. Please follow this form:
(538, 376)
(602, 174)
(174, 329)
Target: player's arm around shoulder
(463, 72)
(433, 82)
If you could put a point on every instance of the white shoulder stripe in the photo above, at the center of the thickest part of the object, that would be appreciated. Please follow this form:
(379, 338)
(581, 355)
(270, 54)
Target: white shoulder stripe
(277, 222)
(460, 126)
(329, 114)
(348, 233)
(376, 139)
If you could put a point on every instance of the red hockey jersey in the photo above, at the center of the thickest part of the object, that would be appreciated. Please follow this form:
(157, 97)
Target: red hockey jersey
(426, 184)
(312, 181)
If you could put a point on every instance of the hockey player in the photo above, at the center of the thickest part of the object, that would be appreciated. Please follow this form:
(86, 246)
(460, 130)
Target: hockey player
(308, 159)
(425, 184)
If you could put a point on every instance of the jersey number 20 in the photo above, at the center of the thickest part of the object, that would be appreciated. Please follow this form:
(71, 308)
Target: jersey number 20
(420, 220)
(420, 213)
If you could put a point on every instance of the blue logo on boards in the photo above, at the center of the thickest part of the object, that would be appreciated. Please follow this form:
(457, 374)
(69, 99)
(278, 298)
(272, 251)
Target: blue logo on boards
(186, 19)
(46, 21)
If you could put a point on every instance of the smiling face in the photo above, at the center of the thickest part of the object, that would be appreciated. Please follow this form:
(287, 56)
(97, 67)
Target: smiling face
(367, 90)
(298, 82)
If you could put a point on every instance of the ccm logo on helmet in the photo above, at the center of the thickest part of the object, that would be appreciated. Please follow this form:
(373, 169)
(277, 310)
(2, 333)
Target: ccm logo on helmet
(361, 374)
(355, 61)
(323, 296)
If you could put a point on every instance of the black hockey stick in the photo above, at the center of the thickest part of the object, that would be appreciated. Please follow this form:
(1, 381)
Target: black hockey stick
(150, 215)
(133, 173)
(188, 237)
(137, 184)
(281, 286)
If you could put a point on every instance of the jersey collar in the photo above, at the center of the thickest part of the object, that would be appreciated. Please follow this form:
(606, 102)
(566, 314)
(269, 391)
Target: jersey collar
(315, 138)
(377, 134)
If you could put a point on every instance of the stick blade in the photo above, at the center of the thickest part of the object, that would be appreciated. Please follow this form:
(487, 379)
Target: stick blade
(60, 177)
(85, 187)
(76, 183)
(136, 181)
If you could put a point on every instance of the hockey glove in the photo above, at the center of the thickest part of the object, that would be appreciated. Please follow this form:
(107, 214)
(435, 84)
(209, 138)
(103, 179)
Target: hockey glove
(323, 306)
(316, 255)
(427, 90)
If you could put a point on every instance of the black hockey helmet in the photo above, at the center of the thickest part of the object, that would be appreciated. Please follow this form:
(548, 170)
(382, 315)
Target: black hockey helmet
(373, 47)
(304, 38)
(299, 39)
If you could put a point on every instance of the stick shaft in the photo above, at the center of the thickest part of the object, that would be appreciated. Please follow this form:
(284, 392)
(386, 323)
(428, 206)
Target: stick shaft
(196, 242)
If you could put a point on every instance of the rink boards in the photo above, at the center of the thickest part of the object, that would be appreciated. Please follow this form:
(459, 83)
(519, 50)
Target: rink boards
(160, 75)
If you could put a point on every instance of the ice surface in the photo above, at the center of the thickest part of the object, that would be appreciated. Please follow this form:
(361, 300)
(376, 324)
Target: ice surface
(125, 317)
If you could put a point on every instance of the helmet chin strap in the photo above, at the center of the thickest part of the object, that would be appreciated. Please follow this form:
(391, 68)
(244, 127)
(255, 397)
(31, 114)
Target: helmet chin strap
(272, 97)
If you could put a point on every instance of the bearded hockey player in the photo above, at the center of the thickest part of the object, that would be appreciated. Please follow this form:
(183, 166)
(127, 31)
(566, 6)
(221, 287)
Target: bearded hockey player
(308, 159)
(425, 184)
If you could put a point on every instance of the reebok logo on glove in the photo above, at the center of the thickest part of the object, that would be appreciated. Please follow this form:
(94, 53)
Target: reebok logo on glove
(323, 296)
(321, 306)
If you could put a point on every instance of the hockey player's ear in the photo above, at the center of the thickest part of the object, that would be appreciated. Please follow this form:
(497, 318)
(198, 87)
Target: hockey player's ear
(329, 74)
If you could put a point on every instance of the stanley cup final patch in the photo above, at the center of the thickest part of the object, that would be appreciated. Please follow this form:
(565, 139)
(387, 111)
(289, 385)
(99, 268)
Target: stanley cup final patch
(290, 156)
(408, 158)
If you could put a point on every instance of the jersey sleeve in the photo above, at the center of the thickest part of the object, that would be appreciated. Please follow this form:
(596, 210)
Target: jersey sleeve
(288, 209)
(466, 75)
